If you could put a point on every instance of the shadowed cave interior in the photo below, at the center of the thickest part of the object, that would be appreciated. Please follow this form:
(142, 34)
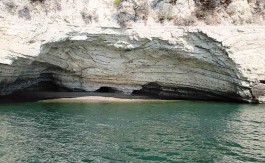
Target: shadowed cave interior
(45, 90)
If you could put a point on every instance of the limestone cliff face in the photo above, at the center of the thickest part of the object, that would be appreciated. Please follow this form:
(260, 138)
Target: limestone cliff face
(186, 62)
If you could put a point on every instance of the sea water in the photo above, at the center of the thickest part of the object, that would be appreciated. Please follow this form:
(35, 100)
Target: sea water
(179, 131)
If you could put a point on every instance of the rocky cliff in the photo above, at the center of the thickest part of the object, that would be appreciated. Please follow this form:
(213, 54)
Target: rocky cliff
(91, 45)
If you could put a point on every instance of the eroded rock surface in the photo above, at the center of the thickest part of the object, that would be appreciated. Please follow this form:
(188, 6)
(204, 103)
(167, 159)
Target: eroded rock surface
(201, 62)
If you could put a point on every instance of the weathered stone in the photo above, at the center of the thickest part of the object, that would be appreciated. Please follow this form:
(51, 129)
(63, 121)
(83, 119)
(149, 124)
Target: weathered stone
(203, 62)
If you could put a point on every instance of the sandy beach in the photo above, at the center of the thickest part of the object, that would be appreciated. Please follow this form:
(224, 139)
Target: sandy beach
(75, 97)
(96, 99)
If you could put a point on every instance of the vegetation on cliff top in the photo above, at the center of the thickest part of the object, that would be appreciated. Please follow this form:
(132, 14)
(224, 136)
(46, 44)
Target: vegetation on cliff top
(180, 12)
(207, 11)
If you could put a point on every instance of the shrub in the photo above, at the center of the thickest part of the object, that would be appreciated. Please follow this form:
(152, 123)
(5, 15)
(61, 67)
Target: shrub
(206, 4)
(206, 10)
(200, 13)
(142, 10)
(47, 5)
(117, 2)
(10, 6)
(89, 16)
(125, 19)
(165, 12)
(58, 6)
(185, 21)
(212, 18)
(211, 4)
(156, 3)
(240, 12)
(132, 10)
(173, 2)
(258, 6)
(33, 1)
(24, 13)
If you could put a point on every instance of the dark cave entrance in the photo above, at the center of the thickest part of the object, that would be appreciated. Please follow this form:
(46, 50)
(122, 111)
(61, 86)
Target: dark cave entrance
(46, 82)
(262, 81)
(46, 86)
(107, 90)
(151, 89)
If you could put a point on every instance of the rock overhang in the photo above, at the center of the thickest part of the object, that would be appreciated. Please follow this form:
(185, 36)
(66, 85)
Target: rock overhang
(193, 63)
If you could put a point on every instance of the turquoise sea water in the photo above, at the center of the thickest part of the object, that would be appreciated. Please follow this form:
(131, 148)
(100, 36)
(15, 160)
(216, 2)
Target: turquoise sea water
(184, 131)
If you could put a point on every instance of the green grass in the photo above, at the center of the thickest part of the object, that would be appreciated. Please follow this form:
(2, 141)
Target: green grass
(116, 2)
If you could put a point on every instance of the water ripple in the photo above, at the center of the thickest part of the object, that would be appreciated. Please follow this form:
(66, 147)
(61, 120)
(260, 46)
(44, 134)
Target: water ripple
(184, 131)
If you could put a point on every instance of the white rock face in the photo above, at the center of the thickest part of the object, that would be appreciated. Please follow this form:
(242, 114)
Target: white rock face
(201, 62)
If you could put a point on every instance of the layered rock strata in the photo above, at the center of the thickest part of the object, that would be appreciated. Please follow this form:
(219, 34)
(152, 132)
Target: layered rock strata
(176, 62)
(189, 63)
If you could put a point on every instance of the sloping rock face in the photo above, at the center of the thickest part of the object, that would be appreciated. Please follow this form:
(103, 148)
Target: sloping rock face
(203, 62)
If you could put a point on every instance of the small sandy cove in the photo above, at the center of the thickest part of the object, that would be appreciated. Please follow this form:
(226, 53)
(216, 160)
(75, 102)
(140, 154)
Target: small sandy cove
(90, 99)
(86, 97)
